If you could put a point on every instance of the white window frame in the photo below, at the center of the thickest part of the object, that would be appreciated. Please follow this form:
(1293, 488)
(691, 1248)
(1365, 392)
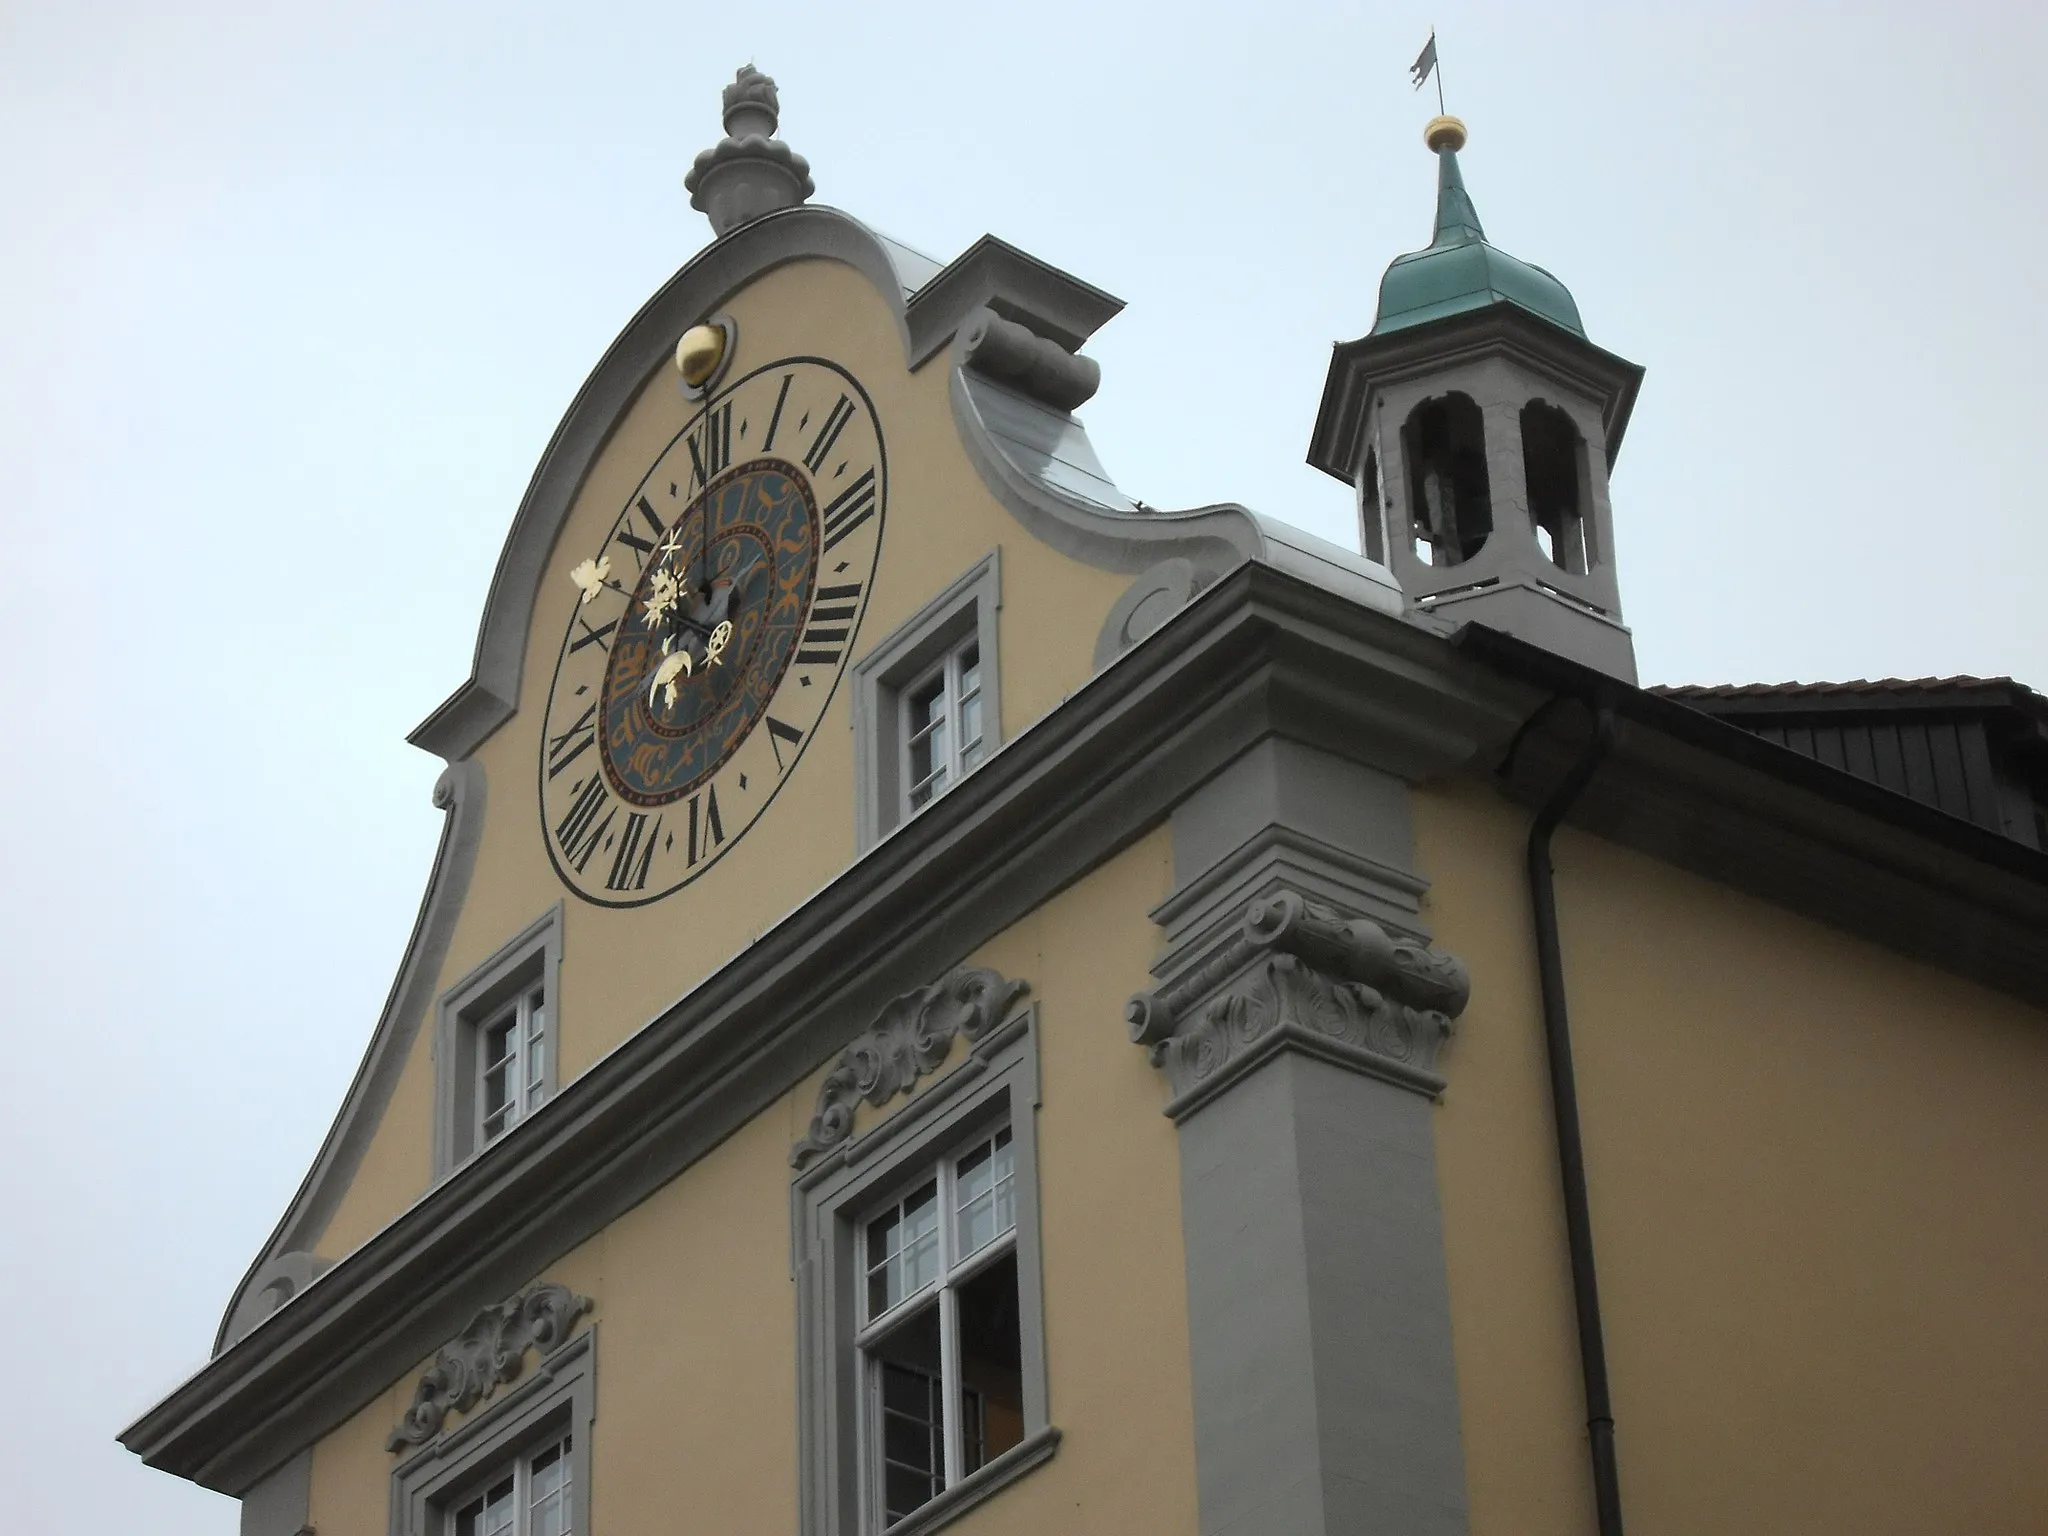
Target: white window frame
(525, 969)
(994, 1088)
(955, 1268)
(523, 1502)
(525, 1065)
(967, 610)
(955, 756)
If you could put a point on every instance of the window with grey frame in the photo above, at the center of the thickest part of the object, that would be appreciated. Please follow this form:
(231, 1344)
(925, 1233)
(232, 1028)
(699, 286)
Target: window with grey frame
(927, 703)
(495, 1044)
(920, 1305)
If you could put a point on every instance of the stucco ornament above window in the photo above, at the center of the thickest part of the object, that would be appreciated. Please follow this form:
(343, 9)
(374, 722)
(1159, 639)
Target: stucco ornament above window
(1297, 974)
(488, 1353)
(910, 1038)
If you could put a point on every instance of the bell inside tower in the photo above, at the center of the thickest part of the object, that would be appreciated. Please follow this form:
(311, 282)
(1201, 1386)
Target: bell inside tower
(1448, 490)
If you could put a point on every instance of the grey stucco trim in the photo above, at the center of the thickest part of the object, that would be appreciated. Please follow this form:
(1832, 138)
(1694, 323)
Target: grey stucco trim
(971, 603)
(460, 792)
(996, 1083)
(560, 1395)
(1260, 654)
(489, 1352)
(1300, 1032)
(994, 274)
(1318, 1309)
(281, 1504)
(1214, 538)
(534, 953)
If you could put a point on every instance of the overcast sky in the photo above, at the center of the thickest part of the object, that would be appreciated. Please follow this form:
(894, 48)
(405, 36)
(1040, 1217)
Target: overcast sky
(295, 294)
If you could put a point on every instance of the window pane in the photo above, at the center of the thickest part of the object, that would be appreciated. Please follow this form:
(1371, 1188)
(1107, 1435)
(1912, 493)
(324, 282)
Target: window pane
(991, 1364)
(548, 1498)
(500, 1049)
(903, 1249)
(535, 1073)
(986, 1185)
(493, 1513)
(924, 703)
(911, 1437)
(970, 731)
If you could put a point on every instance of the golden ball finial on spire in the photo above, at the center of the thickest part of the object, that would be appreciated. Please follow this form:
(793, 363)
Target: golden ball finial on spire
(1444, 132)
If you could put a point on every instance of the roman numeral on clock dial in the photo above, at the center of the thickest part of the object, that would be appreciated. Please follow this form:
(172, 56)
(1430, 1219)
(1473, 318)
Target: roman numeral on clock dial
(572, 743)
(637, 842)
(832, 617)
(710, 446)
(849, 509)
(629, 536)
(586, 821)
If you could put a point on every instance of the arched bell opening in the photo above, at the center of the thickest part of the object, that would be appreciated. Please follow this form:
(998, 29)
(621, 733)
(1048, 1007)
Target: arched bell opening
(1554, 469)
(1449, 496)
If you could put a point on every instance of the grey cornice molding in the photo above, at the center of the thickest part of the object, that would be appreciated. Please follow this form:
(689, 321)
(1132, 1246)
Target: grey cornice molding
(993, 274)
(460, 792)
(1304, 976)
(487, 1354)
(1018, 356)
(1214, 539)
(913, 1035)
(1357, 366)
(1259, 653)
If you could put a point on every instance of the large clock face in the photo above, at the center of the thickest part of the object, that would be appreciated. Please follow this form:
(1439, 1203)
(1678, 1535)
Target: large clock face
(707, 633)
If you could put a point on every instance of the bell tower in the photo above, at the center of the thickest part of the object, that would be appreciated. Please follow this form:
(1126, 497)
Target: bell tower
(1477, 425)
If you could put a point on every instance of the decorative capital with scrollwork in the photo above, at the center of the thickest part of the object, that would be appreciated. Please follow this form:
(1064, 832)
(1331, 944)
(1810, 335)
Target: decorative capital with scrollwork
(1299, 975)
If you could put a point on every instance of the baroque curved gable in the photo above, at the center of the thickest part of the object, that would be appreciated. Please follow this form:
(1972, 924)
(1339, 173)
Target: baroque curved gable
(1013, 418)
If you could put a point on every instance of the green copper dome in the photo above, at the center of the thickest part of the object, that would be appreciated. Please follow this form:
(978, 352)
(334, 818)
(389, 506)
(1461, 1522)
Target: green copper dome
(1460, 272)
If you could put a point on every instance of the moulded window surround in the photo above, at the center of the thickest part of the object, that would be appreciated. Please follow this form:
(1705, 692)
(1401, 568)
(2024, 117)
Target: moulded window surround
(496, 1035)
(517, 1467)
(921, 1359)
(912, 694)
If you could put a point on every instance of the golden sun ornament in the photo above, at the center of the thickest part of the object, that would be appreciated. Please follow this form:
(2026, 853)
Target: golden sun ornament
(663, 596)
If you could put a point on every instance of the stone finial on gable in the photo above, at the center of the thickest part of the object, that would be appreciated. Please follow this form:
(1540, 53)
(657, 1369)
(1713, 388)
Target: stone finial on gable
(749, 172)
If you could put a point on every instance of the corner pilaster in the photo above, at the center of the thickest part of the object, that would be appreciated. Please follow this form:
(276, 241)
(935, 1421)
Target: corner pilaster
(1299, 1014)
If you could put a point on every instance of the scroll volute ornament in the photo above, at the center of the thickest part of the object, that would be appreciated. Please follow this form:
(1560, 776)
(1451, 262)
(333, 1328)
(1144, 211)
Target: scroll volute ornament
(910, 1038)
(1299, 973)
(488, 1353)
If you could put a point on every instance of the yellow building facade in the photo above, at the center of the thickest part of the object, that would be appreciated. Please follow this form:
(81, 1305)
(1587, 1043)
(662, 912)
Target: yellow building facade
(950, 997)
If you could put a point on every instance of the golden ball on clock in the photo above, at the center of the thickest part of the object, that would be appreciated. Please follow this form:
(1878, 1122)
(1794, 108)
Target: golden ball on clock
(699, 353)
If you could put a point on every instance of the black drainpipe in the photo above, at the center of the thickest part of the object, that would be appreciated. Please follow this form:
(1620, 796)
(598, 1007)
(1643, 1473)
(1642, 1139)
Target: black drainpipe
(1564, 1099)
